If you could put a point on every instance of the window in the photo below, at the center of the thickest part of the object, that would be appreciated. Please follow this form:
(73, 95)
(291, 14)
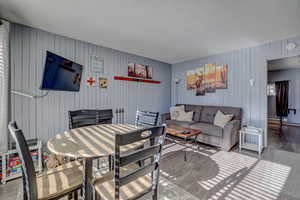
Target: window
(271, 90)
(4, 78)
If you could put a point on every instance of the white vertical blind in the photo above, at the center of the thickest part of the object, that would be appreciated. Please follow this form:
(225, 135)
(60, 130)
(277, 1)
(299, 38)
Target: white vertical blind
(4, 83)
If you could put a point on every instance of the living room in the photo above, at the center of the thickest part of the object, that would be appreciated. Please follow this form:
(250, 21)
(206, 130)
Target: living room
(199, 68)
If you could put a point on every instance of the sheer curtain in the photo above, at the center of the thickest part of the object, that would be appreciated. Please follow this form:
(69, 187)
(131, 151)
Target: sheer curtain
(4, 83)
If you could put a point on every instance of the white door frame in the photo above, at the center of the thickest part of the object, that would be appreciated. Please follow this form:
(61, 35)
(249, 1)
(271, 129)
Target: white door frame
(266, 97)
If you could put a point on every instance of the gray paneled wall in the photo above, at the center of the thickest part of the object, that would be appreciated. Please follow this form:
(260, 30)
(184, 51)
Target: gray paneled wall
(244, 65)
(45, 117)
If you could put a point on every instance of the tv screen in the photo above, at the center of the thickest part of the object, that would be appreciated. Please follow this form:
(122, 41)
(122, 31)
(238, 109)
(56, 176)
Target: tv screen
(61, 74)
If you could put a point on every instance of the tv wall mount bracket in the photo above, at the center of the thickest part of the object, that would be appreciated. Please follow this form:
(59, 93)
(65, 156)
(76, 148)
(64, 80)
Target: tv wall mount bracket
(28, 95)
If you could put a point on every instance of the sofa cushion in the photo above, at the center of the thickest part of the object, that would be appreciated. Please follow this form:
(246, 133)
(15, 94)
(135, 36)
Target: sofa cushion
(176, 111)
(221, 120)
(208, 114)
(197, 115)
(179, 123)
(208, 129)
(196, 108)
(236, 112)
(185, 116)
(197, 111)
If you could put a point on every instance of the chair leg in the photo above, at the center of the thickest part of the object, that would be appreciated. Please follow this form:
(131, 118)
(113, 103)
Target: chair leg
(97, 196)
(70, 196)
(98, 163)
(81, 192)
(141, 163)
(75, 195)
(154, 196)
(111, 162)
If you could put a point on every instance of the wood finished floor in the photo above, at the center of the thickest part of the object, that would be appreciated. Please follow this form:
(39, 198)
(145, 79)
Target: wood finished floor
(9, 190)
(288, 141)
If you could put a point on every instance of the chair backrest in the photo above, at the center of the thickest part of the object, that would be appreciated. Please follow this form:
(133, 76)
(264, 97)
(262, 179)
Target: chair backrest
(156, 135)
(146, 118)
(28, 171)
(80, 118)
(105, 116)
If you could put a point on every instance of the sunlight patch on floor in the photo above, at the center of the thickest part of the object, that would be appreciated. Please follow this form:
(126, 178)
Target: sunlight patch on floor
(229, 163)
(171, 147)
(240, 177)
(265, 181)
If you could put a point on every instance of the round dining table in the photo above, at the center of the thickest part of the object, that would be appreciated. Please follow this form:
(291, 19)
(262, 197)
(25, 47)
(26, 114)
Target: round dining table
(88, 143)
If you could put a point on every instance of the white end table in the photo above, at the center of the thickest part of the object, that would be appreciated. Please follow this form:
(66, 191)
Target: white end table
(256, 144)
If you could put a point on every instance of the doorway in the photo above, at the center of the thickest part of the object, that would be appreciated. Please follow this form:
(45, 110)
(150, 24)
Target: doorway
(283, 91)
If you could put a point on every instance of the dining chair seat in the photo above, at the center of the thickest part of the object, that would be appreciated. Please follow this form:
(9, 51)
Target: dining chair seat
(61, 180)
(105, 187)
(52, 184)
(128, 148)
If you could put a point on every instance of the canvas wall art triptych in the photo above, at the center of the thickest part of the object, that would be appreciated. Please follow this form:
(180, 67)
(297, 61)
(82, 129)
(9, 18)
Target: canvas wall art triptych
(207, 79)
(140, 71)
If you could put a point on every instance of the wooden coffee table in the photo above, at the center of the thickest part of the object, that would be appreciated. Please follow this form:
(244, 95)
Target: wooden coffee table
(175, 133)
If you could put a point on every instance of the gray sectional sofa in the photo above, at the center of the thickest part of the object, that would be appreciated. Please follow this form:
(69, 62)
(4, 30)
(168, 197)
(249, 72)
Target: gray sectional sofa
(203, 120)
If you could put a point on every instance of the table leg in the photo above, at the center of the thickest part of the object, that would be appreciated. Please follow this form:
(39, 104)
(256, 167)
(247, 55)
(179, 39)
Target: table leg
(185, 152)
(259, 146)
(87, 179)
(195, 142)
(240, 143)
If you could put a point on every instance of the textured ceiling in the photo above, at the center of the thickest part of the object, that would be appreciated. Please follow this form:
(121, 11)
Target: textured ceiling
(166, 30)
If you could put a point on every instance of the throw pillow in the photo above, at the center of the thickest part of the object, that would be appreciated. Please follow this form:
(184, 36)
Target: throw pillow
(221, 119)
(186, 116)
(175, 111)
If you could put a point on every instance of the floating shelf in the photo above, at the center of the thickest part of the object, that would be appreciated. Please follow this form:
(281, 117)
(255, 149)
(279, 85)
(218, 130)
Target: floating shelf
(122, 78)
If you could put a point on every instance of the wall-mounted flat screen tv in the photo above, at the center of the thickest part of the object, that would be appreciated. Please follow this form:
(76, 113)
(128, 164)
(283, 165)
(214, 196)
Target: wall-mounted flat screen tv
(61, 74)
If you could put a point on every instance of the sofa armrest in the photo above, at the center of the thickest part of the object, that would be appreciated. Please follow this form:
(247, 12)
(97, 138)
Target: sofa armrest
(165, 117)
(230, 134)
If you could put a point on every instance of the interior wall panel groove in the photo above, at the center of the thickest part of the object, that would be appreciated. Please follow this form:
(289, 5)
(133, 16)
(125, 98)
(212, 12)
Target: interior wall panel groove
(244, 64)
(45, 117)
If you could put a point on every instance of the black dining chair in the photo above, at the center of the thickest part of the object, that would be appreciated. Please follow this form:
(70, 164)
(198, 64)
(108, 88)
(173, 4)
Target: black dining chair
(146, 118)
(105, 116)
(81, 118)
(51, 184)
(128, 180)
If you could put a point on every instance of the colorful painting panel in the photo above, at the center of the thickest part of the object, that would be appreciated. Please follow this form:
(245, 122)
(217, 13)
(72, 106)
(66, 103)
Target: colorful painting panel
(200, 86)
(222, 77)
(210, 78)
(191, 78)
